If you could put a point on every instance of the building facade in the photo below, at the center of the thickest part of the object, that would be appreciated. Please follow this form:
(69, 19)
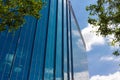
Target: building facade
(51, 48)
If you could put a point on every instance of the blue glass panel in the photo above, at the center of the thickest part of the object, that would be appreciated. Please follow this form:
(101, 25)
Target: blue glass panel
(49, 64)
(65, 42)
(3, 38)
(39, 45)
(8, 41)
(59, 43)
(20, 66)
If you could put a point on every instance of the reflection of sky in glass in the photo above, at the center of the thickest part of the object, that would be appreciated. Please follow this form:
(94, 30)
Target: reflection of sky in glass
(79, 55)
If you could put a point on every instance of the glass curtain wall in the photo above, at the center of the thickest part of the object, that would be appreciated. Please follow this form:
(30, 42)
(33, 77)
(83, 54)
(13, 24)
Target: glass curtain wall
(51, 48)
(79, 69)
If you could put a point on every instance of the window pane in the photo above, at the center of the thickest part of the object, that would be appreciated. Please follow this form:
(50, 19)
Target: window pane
(80, 64)
(59, 43)
(49, 64)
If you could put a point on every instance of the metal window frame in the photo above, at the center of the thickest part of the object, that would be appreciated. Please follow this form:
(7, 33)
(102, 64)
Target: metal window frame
(68, 68)
(55, 43)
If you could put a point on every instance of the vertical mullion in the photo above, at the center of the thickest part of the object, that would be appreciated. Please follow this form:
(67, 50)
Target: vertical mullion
(44, 60)
(55, 45)
(68, 74)
(71, 48)
(62, 40)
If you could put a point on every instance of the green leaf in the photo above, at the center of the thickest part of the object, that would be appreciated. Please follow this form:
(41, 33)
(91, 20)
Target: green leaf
(12, 13)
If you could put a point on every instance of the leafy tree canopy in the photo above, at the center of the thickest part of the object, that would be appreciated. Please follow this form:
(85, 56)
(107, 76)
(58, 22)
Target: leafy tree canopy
(12, 12)
(105, 15)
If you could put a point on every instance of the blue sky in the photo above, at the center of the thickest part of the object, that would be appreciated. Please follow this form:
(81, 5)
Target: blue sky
(102, 64)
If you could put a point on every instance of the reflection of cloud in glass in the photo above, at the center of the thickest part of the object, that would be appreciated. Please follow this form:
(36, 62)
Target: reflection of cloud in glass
(81, 62)
(80, 65)
(49, 71)
(81, 76)
(48, 74)
(17, 69)
(79, 56)
(58, 78)
(75, 33)
(65, 76)
(79, 44)
(77, 39)
(9, 57)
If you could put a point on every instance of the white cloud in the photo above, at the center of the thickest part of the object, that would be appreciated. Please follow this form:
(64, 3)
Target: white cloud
(91, 38)
(107, 58)
(109, 39)
(114, 76)
(110, 58)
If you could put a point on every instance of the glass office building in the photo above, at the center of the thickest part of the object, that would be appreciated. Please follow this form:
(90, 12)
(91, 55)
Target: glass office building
(51, 48)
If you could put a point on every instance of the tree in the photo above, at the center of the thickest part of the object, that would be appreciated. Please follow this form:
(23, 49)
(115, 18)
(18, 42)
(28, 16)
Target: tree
(12, 12)
(105, 15)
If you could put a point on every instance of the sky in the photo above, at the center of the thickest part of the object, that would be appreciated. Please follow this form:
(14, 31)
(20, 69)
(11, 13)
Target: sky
(102, 65)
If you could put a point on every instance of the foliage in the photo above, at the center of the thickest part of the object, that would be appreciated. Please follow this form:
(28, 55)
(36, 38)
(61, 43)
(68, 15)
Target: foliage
(105, 15)
(12, 12)
(116, 53)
